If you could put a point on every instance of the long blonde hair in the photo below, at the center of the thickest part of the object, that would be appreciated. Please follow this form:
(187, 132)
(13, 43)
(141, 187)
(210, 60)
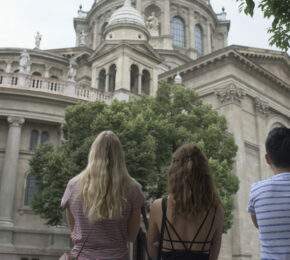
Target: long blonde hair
(105, 180)
(191, 182)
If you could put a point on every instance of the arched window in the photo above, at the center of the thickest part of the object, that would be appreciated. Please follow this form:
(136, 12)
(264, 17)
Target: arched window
(36, 73)
(53, 85)
(146, 82)
(198, 39)
(1, 77)
(33, 139)
(112, 78)
(30, 189)
(102, 80)
(134, 79)
(44, 137)
(14, 80)
(178, 31)
(277, 124)
(102, 31)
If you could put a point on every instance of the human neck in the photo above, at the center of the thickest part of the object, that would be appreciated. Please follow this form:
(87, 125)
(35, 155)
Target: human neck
(279, 170)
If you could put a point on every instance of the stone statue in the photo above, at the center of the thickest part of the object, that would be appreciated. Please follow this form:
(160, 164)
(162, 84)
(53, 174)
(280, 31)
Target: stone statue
(72, 70)
(24, 61)
(82, 38)
(81, 13)
(37, 40)
(152, 24)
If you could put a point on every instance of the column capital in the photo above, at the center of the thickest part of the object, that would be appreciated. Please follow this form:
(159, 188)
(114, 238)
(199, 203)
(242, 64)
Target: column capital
(15, 121)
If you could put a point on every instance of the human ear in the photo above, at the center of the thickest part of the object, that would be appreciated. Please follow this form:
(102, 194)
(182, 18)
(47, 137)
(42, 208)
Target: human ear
(268, 160)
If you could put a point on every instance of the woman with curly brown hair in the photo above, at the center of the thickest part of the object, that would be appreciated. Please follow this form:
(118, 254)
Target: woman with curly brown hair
(188, 223)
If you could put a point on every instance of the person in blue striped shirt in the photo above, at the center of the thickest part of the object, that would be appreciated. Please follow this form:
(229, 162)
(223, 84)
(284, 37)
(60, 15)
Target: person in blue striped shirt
(269, 203)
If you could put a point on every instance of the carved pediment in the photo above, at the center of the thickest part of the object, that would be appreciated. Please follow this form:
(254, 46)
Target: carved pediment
(275, 62)
(141, 49)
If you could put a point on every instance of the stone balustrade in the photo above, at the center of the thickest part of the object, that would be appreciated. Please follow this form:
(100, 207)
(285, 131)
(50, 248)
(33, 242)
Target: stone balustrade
(52, 86)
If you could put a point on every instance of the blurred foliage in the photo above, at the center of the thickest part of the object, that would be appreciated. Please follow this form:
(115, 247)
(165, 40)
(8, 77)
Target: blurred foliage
(150, 130)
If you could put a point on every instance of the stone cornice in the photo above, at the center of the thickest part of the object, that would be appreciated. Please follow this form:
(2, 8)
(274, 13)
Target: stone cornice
(262, 53)
(226, 54)
(42, 54)
(174, 53)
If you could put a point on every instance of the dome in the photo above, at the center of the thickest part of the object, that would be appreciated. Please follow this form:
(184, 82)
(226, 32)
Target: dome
(127, 14)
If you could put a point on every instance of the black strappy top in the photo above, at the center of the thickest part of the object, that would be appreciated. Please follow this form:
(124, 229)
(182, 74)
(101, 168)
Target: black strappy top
(186, 253)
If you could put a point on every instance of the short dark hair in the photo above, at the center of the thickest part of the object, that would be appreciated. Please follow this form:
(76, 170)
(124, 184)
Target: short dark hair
(278, 147)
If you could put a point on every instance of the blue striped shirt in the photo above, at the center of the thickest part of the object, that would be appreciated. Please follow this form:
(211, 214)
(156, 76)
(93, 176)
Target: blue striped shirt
(270, 202)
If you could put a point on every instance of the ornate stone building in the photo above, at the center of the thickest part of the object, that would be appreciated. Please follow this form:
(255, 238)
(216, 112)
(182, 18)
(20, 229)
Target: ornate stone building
(124, 49)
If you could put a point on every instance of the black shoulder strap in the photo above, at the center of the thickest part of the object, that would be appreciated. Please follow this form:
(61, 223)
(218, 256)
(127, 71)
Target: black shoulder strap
(210, 229)
(164, 209)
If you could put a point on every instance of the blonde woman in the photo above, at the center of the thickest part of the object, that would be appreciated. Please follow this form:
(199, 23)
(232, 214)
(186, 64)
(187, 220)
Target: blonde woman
(103, 203)
(188, 223)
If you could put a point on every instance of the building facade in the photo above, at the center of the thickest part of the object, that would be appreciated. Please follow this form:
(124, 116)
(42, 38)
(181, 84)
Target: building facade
(124, 49)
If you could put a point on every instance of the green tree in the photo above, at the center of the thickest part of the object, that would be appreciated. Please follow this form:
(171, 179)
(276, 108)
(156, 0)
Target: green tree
(279, 11)
(150, 130)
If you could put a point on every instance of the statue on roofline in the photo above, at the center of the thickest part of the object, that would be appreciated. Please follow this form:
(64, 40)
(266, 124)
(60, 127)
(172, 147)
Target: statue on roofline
(37, 40)
(24, 61)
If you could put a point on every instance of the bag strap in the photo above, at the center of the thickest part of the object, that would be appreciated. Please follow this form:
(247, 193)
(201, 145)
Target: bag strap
(164, 208)
(84, 243)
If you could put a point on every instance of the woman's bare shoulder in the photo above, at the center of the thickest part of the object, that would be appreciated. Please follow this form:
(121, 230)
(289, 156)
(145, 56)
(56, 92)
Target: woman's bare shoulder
(156, 207)
(220, 214)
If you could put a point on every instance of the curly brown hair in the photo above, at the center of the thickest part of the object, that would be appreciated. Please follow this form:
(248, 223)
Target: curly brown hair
(191, 182)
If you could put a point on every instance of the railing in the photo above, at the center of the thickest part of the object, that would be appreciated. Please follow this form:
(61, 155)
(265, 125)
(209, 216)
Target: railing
(52, 86)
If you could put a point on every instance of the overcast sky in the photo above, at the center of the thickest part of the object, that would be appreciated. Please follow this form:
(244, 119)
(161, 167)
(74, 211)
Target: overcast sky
(21, 19)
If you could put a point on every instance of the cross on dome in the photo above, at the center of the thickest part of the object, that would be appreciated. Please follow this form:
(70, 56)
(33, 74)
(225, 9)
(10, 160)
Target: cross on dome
(127, 3)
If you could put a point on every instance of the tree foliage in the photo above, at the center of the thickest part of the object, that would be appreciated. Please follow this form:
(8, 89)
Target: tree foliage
(279, 11)
(150, 130)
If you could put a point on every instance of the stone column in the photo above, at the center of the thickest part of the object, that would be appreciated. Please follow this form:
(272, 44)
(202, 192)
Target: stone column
(9, 174)
(140, 84)
(47, 71)
(9, 66)
(107, 81)
(191, 29)
(262, 111)
(166, 26)
(208, 37)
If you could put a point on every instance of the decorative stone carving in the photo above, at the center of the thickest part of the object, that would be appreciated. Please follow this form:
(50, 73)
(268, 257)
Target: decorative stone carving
(261, 107)
(82, 37)
(152, 24)
(72, 72)
(81, 13)
(24, 62)
(37, 40)
(15, 121)
(230, 93)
